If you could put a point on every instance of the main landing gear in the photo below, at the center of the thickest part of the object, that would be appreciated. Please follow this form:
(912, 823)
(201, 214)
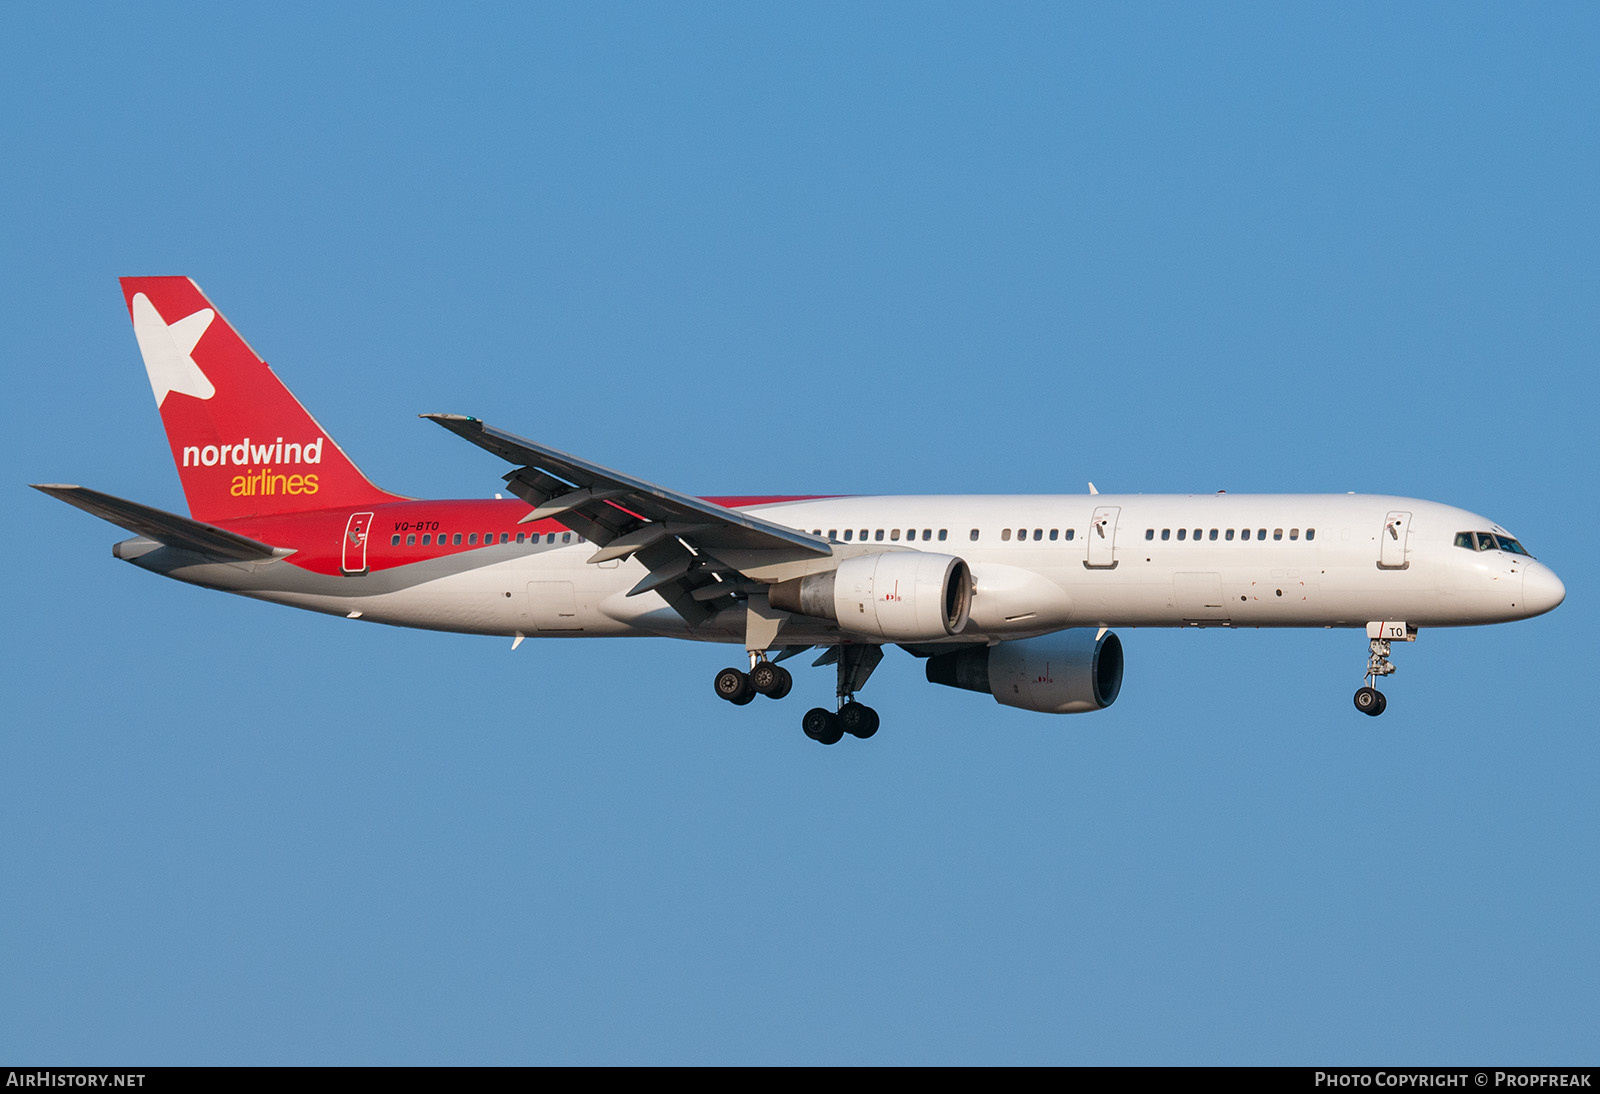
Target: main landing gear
(855, 664)
(1369, 700)
(826, 727)
(764, 678)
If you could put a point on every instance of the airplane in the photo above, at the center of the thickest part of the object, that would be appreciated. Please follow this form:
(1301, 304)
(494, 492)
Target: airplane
(1013, 596)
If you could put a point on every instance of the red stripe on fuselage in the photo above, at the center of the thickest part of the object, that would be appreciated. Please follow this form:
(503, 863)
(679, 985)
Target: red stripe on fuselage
(317, 537)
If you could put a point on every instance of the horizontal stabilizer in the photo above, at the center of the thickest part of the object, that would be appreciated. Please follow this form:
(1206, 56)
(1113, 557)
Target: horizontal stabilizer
(164, 527)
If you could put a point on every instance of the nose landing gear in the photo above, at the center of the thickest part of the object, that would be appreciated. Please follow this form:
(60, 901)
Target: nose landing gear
(1369, 700)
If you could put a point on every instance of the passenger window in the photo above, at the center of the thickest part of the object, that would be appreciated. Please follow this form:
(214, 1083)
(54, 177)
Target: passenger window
(1149, 533)
(411, 540)
(833, 535)
(849, 534)
(1245, 534)
(1277, 533)
(473, 538)
(566, 537)
(1166, 533)
(942, 533)
(456, 539)
(974, 536)
(522, 537)
(895, 535)
(1213, 535)
(1038, 534)
(1294, 533)
(927, 534)
(1005, 535)
(1261, 533)
(1055, 534)
(1183, 533)
(1228, 535)
(878, 535)
(1311, 533)
(1069, 533)
(1197, 533)
(394, 540)
(426, 539)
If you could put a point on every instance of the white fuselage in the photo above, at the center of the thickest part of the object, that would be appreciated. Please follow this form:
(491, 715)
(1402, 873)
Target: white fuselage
(1039, 564)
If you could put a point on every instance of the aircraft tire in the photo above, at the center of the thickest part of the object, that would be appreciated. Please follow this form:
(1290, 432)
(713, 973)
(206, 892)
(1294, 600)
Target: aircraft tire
(858, 720)
(1370, 701)
(822, 726)
(771, 680)
(735, 687)
(785, 685)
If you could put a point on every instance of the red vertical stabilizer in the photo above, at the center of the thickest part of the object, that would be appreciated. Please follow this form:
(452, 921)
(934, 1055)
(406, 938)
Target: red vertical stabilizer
(244, 445)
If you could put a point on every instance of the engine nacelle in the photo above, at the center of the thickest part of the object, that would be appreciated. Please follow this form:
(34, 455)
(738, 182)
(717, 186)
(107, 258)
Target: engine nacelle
(1067, 672)
(905, 596)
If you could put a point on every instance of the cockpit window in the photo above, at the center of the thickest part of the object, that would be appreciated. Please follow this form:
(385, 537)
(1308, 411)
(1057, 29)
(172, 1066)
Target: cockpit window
(1489, 541)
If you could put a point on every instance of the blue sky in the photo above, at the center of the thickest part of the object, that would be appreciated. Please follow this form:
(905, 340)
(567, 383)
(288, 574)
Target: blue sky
(819, 248)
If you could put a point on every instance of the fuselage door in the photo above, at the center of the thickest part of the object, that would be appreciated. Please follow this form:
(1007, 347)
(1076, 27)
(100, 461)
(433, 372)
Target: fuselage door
(1392, 541)
(1103, 538)
(355, 543)
(1199, 597)
(555, 607)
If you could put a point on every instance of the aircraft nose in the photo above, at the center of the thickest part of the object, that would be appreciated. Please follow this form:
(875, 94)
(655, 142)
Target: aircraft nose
(1541, 588)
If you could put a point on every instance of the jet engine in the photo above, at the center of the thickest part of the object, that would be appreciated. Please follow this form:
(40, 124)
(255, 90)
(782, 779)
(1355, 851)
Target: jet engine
(1067, 672)
(904, 596)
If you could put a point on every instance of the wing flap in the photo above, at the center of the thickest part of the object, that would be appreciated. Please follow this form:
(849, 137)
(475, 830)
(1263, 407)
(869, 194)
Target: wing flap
(626, 496)
(677, 537)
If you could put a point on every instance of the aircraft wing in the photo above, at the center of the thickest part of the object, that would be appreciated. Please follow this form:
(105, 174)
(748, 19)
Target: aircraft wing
(164, 527)
(676, 536)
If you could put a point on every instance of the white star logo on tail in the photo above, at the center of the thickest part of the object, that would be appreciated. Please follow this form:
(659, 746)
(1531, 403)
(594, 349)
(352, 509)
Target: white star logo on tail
(166, 348)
